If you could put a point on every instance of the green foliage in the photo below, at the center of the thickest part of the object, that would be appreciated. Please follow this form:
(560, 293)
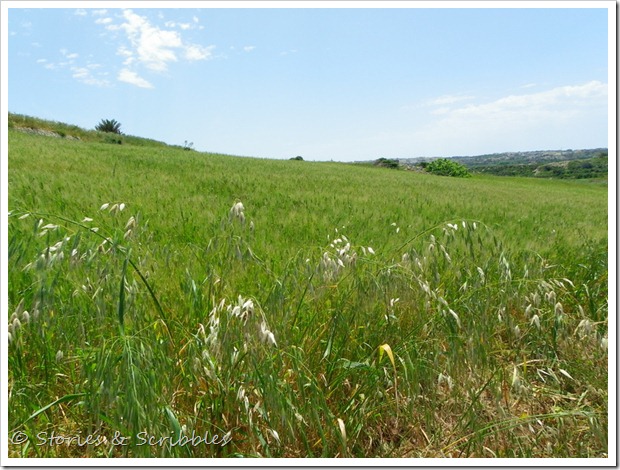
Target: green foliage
(387, 163)
(46, 128)
(589, 168)
(298, 157)
(445, 167)
(31, 124)
(167, 312)
(109, 125)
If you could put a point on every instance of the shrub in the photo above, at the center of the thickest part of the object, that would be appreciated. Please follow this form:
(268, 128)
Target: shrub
(445, 167)
(109, 125)
(387, 163)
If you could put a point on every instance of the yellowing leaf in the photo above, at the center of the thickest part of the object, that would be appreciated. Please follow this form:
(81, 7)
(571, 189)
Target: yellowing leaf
(388, 350)
(343, 431)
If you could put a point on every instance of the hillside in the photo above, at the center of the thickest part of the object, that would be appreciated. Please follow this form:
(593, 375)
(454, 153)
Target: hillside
(517, 158)
(298, 309)
(563, 164)
(36, 126)
(532, 157)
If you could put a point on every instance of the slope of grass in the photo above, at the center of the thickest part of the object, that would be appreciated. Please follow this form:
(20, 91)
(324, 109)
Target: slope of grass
(31, 124)
(340, 310)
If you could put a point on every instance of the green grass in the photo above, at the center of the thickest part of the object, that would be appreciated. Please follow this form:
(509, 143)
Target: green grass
(412, 315)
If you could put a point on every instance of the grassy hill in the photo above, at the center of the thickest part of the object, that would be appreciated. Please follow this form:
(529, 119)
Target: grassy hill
(340, 310)
(587, 168)
(37, 126)
(562, 164)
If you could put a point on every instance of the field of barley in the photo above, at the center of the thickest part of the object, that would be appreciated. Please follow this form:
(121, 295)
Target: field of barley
(171, 303)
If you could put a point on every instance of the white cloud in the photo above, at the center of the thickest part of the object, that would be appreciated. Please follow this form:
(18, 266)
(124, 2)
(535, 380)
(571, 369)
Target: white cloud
(106, 20)
(195, 52)
(80, 12)
(557, 118)
(449, 99)
(153, 47)
(131, 77)
(540, 104)
(173, 24)
(84, 75)
(249, 48)
(124, 52)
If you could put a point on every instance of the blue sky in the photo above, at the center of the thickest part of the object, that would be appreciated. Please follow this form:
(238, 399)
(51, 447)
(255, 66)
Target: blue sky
(338, 84)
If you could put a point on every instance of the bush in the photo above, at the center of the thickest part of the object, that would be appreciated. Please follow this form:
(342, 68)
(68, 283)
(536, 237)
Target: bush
(109, 125)
(445, 167)
(387, 163)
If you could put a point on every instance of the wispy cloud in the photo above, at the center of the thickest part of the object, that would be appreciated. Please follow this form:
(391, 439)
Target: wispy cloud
(541, 104)
(554, 115)
(83, 73)
(196, 52)
(174, 24)
(249, 48)
(131, 77)
(145, 47)
(152, 47)
(448, 99)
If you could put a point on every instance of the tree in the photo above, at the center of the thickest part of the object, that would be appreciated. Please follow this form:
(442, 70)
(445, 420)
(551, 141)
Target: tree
(387, 162)
(109, 125)
(445, 167)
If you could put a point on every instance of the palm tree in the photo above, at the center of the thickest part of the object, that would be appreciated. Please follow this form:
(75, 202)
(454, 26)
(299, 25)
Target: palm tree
(109, 125)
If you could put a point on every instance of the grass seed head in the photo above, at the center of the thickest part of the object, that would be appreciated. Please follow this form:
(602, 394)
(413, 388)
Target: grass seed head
(267, 336)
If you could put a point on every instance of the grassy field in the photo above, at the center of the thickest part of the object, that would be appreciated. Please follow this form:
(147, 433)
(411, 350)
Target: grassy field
(159, 297)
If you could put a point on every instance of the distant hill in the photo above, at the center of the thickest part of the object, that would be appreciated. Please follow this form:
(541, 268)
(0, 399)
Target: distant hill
(537, 156)
(514, 158)
(573, 164)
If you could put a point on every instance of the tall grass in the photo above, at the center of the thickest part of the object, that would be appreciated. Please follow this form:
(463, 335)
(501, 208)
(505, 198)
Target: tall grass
(337, 312)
